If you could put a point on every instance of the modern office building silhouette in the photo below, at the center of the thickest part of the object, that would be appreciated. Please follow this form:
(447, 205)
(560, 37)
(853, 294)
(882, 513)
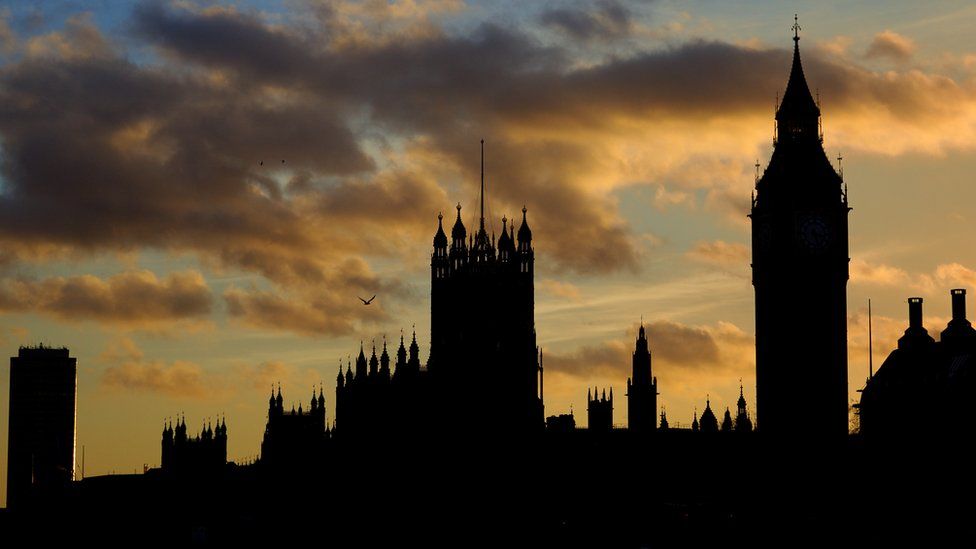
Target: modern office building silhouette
(41, 436)
(800, 270)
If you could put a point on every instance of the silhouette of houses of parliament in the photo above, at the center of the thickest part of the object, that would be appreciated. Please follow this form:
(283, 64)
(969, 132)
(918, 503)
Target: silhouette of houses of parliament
(483, 381)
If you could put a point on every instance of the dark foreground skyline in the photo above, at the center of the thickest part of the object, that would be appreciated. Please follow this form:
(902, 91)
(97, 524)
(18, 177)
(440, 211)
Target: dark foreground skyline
(194, 276)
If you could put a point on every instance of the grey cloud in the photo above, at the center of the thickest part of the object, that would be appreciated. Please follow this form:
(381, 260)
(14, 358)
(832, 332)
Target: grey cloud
(605, 19)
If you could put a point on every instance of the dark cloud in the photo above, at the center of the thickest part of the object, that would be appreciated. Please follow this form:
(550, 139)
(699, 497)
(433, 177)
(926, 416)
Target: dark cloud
(331, 309)
(102, 153)
(605, 19)
(131, 298)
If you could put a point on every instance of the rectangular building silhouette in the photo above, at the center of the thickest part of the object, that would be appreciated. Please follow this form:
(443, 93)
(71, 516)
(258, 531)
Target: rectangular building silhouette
(41, 439)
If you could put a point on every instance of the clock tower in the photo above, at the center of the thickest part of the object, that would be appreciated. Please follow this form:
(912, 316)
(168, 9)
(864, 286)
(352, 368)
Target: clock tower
(800, 271)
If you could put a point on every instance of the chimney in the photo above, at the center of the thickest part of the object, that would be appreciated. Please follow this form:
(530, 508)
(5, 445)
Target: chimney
(958, 304)
(915, 312)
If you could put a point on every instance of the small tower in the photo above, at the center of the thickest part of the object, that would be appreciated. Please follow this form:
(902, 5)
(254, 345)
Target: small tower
(742, 421)
(641, 387)
(599, 411)
(384, 363)
(709, 423)
(374, 363)
(727, 421)
(361, 371)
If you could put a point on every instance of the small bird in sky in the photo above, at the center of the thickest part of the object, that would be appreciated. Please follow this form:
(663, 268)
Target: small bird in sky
(282, 161)
(261, 163)
(367, 302)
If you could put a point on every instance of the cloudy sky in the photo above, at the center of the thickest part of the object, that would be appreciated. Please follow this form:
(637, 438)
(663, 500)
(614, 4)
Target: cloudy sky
(193, 194)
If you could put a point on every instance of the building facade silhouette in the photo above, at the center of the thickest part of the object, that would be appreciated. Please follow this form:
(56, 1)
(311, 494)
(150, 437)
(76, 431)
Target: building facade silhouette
(800, 271)
(923, 379)
(482, 321)
(599, 411)
(42, 424)
(379, 401)
(202, 454)
(484, 371)
(296, 437)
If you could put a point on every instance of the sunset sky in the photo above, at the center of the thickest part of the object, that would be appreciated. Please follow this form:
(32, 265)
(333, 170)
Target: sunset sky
(139, 228)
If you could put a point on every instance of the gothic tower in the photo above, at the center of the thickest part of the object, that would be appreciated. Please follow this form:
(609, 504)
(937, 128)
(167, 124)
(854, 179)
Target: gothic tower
(483, 361)
(800, 271)
(641, 388)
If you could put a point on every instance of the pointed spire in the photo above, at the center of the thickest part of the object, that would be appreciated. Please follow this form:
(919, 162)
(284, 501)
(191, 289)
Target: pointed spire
(440, 239)
(458, 232)
(798, 115)
(524, 232)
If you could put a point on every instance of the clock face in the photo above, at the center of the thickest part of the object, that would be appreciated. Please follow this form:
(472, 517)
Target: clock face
(814, 233)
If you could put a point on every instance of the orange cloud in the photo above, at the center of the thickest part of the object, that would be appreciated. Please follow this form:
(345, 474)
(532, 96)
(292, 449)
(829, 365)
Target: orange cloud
(129, 370)
(720, 253)
(132, 298)
(891, 45)
(561, 289)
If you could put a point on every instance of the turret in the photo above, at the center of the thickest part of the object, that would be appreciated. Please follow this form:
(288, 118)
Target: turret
(458, 254)
(385, 362)
(401, 362)
(361, 372)
(742, 421)
(709, 423)
(374, 363)
(727, 420)
(439, 262)
(506, 245)
(414, 361)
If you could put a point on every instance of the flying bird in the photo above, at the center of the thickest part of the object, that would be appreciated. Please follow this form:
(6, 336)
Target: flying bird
(367, 302)
(261, 163)
(282, 161)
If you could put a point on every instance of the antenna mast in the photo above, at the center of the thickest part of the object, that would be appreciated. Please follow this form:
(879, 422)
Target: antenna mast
(870, 345)
(482, 184)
